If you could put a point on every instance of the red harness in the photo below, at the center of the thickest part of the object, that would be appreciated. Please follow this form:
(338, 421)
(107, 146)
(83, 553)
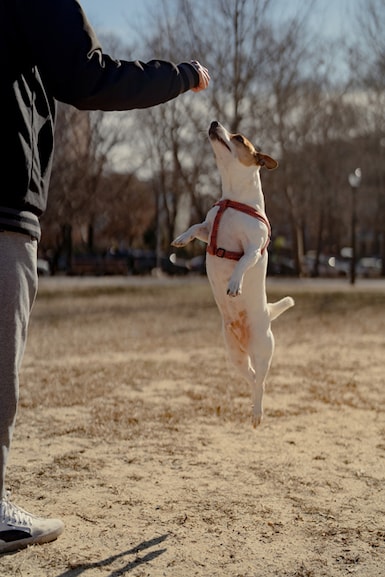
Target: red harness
(212, 248)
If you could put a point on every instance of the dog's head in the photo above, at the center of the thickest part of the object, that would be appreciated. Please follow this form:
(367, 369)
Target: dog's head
(229, 148)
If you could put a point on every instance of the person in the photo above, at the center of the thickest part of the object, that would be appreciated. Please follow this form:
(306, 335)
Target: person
(50, 53)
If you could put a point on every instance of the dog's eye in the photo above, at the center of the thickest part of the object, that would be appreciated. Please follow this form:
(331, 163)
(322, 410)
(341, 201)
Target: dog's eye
(239, 138)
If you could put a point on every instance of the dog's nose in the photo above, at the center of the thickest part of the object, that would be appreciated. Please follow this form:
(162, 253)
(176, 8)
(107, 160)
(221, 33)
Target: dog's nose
(213, 127)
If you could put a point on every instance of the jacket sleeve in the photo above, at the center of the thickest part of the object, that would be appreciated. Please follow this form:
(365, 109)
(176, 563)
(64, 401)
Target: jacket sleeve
(58, 38)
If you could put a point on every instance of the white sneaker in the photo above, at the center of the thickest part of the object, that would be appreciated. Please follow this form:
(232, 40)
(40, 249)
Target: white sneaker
(19, 528)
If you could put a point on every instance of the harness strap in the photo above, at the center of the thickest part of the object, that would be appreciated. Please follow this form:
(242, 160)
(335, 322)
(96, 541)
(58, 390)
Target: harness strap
(212, 248)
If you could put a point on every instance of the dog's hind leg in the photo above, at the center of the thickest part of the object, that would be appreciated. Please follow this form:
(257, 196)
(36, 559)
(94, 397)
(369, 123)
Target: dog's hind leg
(251, 356)
(260, 355)
(237, 351)
(279, 307)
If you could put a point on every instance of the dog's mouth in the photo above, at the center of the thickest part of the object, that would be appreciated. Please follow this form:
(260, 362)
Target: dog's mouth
(214, 134)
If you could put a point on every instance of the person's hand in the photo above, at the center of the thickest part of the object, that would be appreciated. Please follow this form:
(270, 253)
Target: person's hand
(204, 76)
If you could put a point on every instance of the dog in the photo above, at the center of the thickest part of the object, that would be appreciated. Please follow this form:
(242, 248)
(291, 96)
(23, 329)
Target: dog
(237, 233)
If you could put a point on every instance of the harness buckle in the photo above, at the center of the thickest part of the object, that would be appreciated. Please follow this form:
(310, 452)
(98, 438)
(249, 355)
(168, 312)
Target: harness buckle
(220, 252)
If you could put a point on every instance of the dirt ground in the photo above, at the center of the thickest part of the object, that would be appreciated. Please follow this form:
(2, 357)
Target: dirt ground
(133, 429)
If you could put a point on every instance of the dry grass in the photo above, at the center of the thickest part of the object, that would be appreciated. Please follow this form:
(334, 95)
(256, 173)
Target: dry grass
(134, 429)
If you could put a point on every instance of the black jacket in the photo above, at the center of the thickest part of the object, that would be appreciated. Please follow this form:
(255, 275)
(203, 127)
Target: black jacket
(49, 53)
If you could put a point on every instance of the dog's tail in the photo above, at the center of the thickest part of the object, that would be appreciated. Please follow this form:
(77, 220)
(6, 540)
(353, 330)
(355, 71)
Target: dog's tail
(279, 307)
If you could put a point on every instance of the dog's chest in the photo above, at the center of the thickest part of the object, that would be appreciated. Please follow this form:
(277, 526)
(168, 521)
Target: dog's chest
(236, 231)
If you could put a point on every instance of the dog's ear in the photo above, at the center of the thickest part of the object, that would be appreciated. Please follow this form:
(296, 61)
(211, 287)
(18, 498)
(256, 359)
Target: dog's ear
(266, 160)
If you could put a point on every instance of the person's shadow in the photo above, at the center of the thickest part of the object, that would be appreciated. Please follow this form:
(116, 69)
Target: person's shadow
(132, 564)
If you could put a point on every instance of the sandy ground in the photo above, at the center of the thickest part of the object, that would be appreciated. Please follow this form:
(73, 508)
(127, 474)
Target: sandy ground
(135, 431)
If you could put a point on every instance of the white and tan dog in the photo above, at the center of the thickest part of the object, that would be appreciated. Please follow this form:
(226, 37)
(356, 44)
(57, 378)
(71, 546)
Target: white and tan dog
(237, 232)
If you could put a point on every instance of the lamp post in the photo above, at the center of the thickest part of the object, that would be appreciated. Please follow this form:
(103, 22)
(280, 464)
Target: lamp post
(354, 181)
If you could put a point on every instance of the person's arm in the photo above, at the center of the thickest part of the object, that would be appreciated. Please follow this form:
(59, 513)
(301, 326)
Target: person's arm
(58, 36)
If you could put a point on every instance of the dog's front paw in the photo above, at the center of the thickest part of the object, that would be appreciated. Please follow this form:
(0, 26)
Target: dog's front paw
(181, 240)
(234, 289)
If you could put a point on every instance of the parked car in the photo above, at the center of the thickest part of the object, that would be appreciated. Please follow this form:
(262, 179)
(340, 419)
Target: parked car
(325, 265)
(369, 267)
(340, 265)
(173, 266)
(280, 265)
(143, 262)
(197, 264)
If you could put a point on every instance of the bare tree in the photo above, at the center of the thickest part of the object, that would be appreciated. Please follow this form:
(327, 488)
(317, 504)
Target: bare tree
(367, 59)
(272, 80)
(260, 83)
(83, 194)
(173, 135)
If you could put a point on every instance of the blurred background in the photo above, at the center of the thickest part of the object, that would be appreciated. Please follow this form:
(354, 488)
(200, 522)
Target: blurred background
(305, 82)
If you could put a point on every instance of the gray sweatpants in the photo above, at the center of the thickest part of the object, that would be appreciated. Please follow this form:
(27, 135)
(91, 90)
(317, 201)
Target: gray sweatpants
(18, 287)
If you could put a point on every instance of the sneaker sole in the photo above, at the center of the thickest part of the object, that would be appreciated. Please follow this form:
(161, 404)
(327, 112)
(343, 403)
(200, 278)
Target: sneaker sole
(36, 540)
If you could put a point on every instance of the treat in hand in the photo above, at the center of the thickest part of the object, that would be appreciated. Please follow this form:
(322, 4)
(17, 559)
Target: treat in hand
(204, 76)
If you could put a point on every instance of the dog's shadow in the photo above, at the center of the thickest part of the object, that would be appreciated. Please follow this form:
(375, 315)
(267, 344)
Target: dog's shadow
(138, 560)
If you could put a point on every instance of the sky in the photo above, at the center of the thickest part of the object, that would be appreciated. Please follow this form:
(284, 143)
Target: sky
(330, 17)
(112, 16)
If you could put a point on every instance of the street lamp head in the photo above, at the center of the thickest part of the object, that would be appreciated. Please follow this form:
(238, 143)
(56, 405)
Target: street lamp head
(355, 178)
